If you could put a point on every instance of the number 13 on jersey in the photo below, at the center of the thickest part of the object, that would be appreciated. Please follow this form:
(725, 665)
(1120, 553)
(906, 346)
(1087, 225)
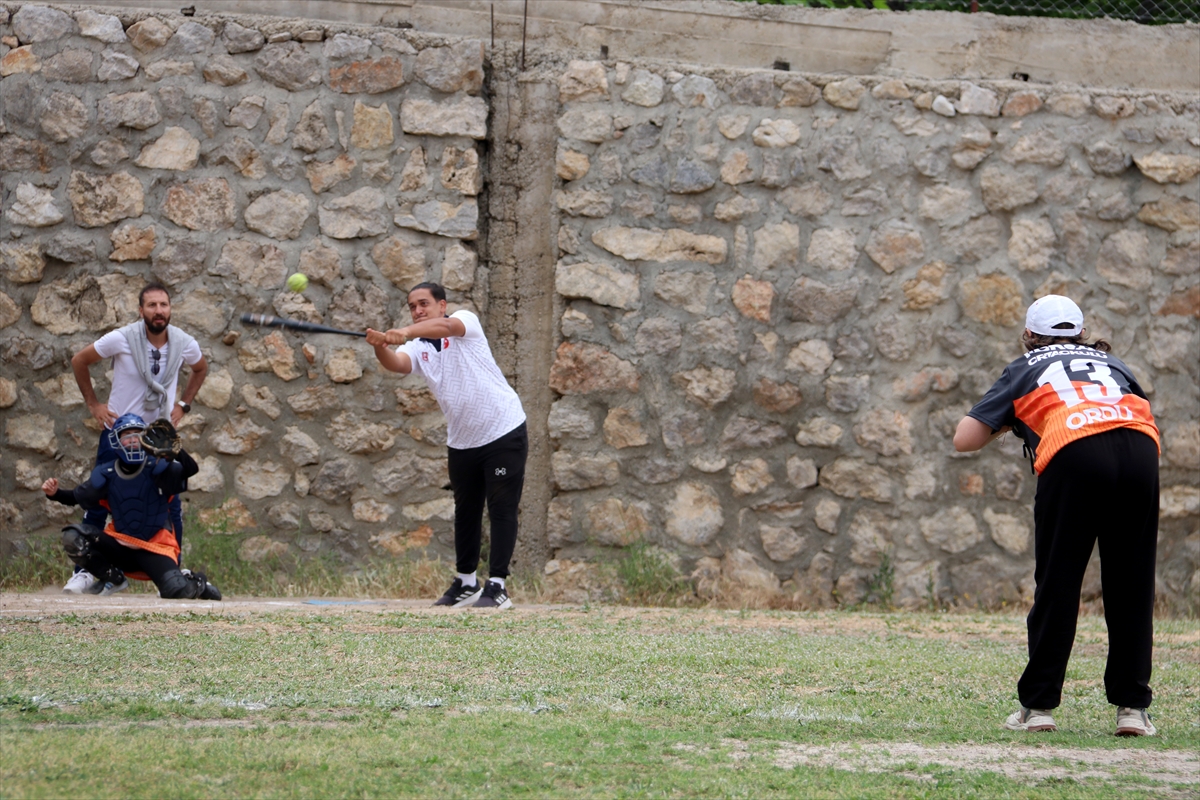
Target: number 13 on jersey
(1102, 389)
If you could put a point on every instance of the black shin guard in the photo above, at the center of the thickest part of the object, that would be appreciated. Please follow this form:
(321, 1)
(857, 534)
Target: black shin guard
(176, 585)
(79, 542)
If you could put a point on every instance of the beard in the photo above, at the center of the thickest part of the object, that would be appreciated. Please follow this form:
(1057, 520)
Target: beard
(157, 325)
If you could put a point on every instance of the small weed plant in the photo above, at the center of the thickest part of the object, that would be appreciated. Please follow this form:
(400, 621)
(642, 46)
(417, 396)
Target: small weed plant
(649, 578)
(881, 587)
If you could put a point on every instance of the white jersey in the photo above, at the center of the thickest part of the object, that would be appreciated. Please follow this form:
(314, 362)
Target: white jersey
(128, 389)
(479, 405)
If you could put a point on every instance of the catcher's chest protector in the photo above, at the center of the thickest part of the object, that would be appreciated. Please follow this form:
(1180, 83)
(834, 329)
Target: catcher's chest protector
(139, 509)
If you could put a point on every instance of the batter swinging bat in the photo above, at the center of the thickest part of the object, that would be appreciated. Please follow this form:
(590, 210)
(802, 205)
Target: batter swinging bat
(267, 321)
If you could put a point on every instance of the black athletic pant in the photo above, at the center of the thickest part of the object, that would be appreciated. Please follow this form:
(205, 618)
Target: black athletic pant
(110, 553)
(495, 473)
(1103, 487)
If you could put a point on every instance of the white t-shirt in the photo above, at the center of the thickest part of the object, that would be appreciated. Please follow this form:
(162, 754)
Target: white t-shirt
(128, 388)
(479, 405)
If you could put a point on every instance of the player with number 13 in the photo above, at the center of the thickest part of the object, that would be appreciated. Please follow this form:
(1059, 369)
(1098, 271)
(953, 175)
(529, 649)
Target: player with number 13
(1087, 426)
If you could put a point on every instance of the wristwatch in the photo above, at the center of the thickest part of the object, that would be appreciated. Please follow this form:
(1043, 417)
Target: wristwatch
(187, 407)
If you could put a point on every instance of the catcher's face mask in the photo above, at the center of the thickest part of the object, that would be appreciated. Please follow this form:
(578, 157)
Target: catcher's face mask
(125, 438)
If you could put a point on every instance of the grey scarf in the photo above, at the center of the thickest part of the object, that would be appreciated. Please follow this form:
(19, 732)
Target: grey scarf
(155, 401)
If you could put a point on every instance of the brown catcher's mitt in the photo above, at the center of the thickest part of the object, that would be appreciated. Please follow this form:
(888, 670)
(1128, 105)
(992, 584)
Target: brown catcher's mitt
(160, 439)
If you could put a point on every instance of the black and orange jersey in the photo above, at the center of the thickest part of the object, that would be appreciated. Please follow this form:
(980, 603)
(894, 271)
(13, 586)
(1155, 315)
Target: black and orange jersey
(1062, 392)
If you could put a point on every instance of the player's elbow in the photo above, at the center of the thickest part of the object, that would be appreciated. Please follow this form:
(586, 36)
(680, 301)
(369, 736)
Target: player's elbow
(971, 435)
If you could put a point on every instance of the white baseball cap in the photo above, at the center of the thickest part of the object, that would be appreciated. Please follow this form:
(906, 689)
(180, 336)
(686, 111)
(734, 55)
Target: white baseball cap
(1046, 313)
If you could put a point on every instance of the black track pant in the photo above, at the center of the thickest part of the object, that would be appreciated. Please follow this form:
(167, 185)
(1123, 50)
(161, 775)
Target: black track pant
(494, 473)
(1103, 487)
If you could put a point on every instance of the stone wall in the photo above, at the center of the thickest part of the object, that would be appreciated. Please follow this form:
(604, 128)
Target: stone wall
(218, 156)
(779, 296)
(744, 308)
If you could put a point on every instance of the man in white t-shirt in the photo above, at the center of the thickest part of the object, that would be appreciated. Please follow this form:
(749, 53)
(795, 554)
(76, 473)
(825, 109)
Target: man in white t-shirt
(146, 357)
(485, 434)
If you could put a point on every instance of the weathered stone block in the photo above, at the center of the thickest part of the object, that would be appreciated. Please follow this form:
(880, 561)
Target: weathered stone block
(1168, 167)
(588, 368)
(368, 77)
(583, 81)
(434, 216)
(64, 117)
(574, 472)
(204, 204)
(994, 298)
(40, 24)
(1005, 190)
(753, 298)
(776, 133)
(707, 386)
(1171, 214)
(852, 477)
(845, 94)
(103, 199)
(457, 68)
(176, 150)
(288, 66)
(33, 207)
(694, 515)
(953, 529)
(641, 244)
(361, 213)
(466, 117)
(1124, 259)
(809, 300)
(598, 282)
(696, 91)
(135, 110)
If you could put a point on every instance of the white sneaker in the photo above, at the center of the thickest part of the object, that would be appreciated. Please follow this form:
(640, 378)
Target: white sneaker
(81, 583)
(1134, 722)
(113, 588)
(1030, 719)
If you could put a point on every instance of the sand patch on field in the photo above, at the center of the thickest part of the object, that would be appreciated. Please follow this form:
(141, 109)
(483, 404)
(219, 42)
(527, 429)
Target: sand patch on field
(1022, 763)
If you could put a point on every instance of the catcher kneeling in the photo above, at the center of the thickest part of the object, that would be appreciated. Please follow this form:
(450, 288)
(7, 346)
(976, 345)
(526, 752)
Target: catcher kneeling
(136, 488)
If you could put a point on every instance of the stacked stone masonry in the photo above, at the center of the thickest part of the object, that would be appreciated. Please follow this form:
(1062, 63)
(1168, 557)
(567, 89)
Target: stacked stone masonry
(218, 157)
(776, 294)
(781, 293)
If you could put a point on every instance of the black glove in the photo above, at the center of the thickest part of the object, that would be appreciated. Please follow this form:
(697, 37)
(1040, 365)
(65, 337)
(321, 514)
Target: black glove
(161, 439)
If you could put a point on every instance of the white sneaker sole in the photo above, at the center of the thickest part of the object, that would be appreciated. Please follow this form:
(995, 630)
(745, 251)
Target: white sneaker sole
(1031, 728)
(1135, 730)
(470, 599)
(77, 587)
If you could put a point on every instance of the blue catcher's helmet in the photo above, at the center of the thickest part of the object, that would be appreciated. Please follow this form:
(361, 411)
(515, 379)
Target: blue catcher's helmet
(131, 454)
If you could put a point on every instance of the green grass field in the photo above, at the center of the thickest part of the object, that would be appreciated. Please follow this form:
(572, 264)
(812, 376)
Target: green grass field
(131, 697)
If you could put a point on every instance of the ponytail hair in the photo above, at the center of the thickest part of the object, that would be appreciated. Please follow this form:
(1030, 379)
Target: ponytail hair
(1033, 341)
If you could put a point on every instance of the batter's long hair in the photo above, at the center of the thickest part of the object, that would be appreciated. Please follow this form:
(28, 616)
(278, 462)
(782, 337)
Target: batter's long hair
(1033, 341)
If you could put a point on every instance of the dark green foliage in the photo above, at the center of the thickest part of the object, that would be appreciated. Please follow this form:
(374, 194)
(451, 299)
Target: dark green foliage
(649, 577)
(1149, 12)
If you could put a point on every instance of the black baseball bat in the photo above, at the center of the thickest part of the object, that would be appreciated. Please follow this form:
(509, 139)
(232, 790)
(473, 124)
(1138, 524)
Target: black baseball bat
(267, 321)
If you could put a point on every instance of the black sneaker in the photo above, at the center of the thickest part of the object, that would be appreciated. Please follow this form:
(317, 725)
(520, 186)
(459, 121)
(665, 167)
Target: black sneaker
(494, 596)
(210, 592)
(458, 595)
(207, 590)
